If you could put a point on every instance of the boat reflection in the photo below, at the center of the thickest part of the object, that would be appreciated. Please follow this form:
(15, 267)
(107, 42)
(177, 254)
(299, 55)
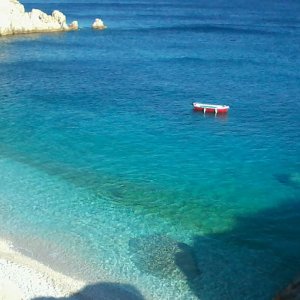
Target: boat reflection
(218, 117)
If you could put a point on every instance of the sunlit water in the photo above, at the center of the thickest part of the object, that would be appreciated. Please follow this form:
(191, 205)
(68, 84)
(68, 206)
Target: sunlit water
(104, 164)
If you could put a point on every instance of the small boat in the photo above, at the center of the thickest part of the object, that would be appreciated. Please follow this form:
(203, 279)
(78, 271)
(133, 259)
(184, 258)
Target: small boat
(210, 108)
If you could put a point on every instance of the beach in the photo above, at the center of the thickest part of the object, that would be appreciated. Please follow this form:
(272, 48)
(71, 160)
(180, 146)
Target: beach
(23, 278)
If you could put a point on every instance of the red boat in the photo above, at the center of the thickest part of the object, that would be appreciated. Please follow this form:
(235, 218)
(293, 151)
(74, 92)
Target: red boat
(211, 108)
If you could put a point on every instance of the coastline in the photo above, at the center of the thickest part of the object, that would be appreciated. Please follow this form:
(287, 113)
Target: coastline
(15, 20)
(22, 277)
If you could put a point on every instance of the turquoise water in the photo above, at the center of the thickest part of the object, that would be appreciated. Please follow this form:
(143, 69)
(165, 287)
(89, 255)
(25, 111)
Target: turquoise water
(103, 162)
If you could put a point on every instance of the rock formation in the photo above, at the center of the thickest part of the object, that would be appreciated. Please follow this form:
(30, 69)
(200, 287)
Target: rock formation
(98, 24)
(74, 26)
(14, 19)
(162, 256)
(292, 292)
(290, 179)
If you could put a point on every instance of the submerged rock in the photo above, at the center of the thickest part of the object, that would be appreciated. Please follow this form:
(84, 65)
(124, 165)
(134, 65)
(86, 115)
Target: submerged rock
(98, 24)
(292, 292)
(292, 179)
(14, 19)
(163, 256)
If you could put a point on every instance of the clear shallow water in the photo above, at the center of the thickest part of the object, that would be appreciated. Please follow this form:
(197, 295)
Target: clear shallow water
(103, 159)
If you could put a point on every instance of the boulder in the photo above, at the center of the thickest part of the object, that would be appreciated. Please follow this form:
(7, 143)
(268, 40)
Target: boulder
(164, 257)
(74, 25)
(98, 24)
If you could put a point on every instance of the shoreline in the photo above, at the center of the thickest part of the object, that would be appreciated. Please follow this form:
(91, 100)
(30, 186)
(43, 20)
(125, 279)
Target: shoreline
(22, 277)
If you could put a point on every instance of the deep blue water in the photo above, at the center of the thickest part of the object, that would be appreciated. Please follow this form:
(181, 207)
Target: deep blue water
(103, 161)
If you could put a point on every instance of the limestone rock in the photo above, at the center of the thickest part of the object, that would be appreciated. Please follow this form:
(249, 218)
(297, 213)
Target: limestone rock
(74, 25)
(14, 19)
(98, 24)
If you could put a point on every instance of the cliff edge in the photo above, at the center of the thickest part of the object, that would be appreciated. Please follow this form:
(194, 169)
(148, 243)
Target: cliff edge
(14, 20)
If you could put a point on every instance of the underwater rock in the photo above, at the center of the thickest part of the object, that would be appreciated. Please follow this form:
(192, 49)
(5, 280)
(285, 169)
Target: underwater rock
(292, 292)
(98, 24)
(292, 179)
(163, 256)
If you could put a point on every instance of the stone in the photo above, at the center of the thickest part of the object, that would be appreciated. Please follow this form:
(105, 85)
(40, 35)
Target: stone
(98, 24)
(15, 20)
(164, 257)
(74, 25)
(290, 179)
(292, 292)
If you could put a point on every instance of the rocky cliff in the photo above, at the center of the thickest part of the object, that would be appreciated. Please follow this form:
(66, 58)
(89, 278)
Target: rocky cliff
(14, 19)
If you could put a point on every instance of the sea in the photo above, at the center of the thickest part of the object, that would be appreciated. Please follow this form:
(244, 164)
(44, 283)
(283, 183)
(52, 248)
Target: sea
(109, 176)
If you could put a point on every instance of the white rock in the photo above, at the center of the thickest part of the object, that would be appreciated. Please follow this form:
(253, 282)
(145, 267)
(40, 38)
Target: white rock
(74, 25)
(14, 19)
(98, 24)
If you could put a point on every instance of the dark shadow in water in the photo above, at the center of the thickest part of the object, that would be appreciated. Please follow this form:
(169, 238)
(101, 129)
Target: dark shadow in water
(102, 291)
(158, 255)
(255, 260)
(291, 180)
